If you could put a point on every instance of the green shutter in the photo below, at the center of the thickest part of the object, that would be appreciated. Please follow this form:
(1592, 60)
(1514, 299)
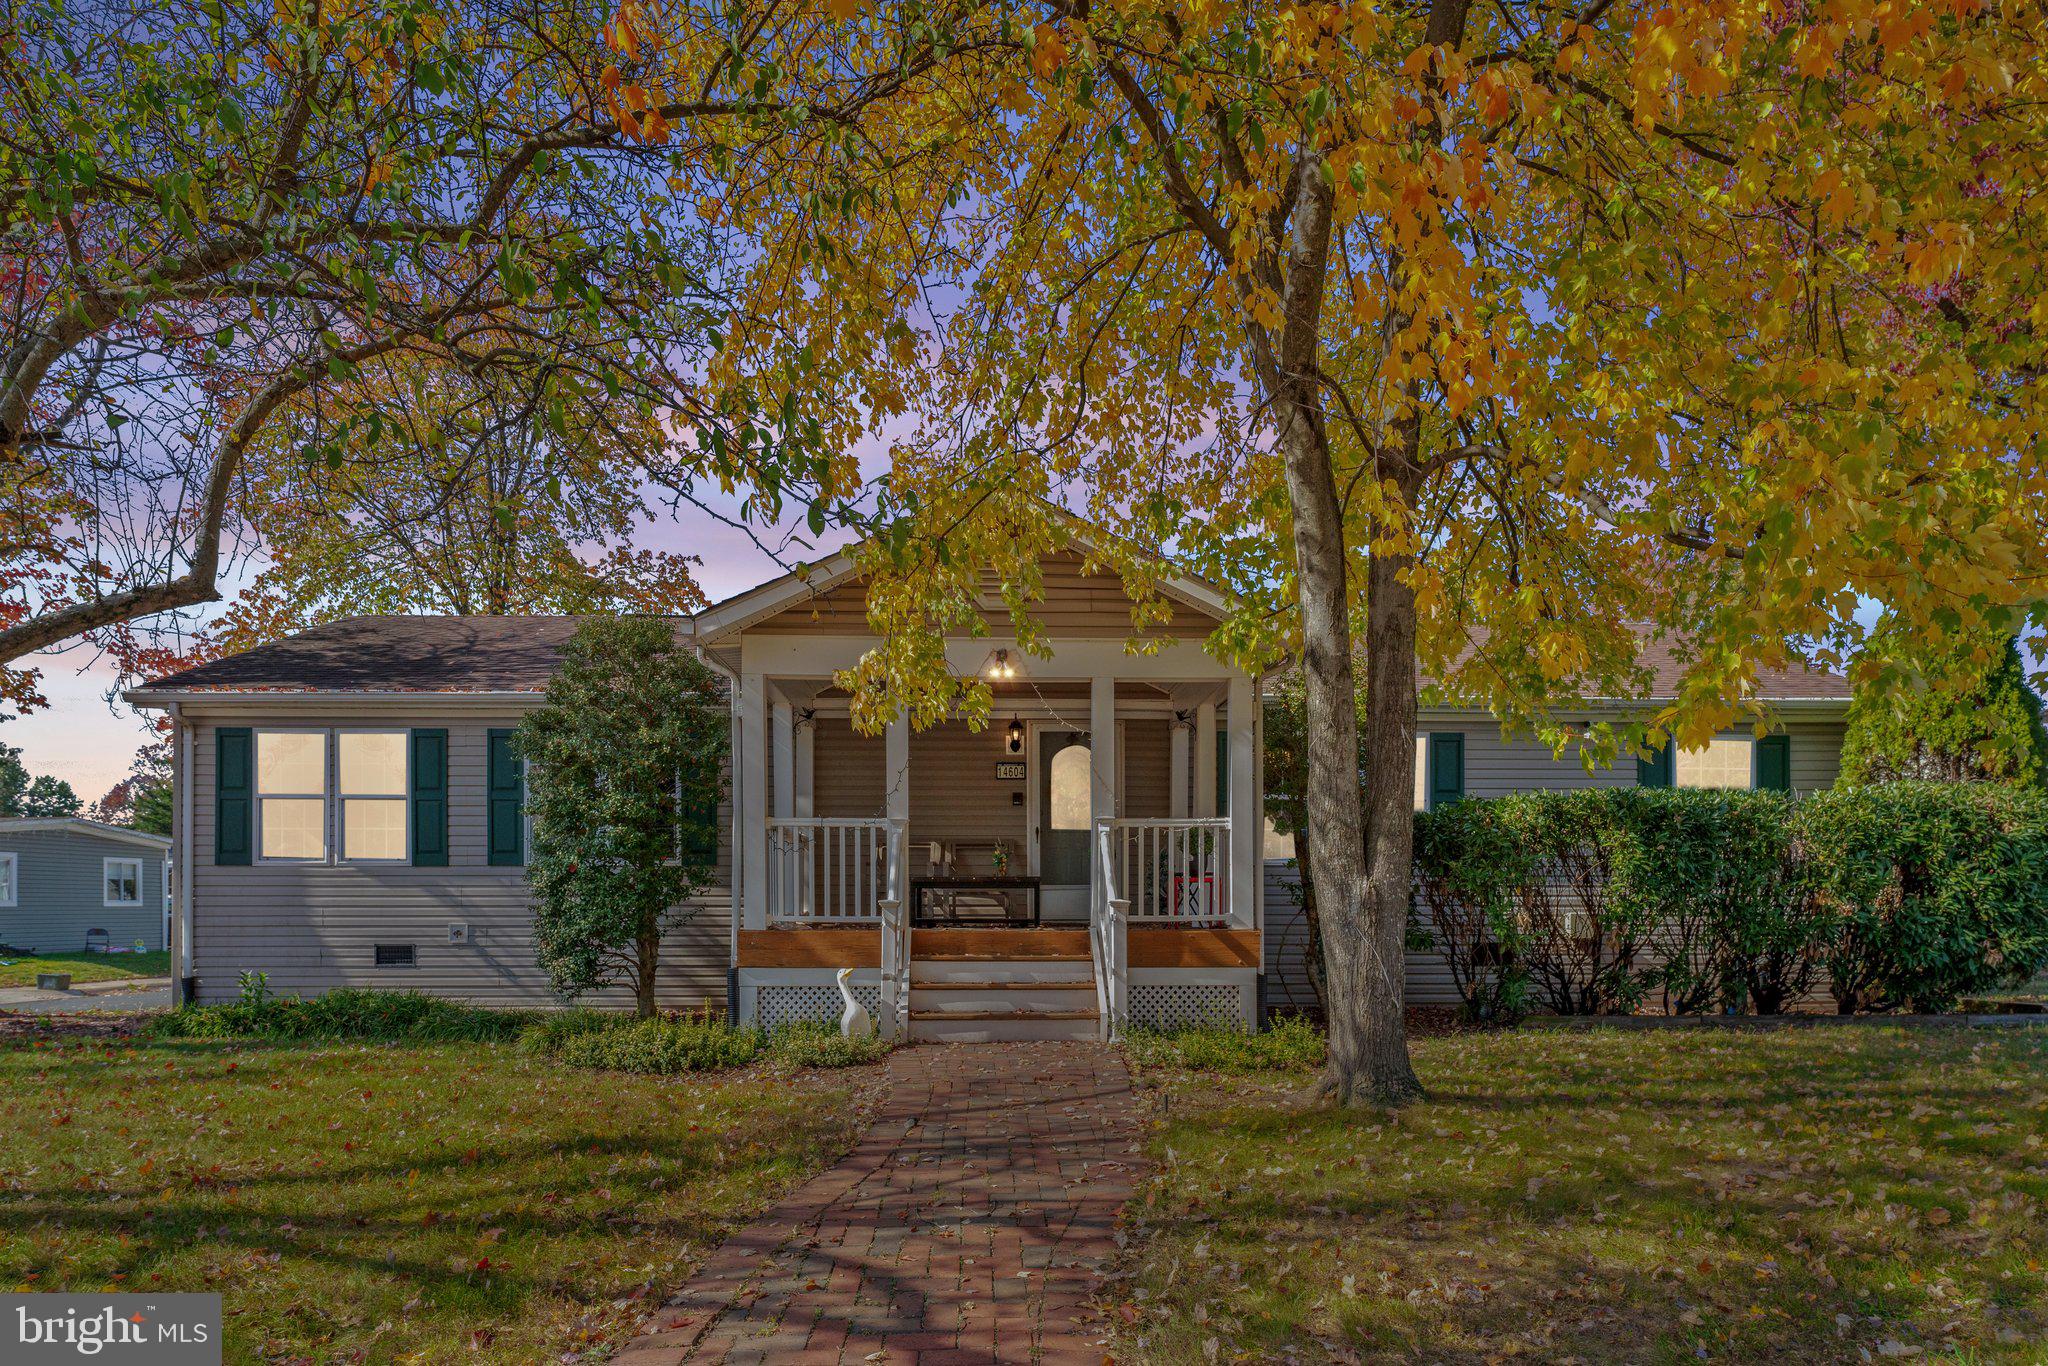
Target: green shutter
(1657, 770)
(234, 774)
(430, 798)
(1446, 768)
(505, 796)
(1774, 763)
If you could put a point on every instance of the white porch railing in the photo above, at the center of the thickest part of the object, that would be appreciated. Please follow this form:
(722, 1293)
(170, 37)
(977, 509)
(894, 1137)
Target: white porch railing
(826, 868)
(1109, 937)
(1171, 871)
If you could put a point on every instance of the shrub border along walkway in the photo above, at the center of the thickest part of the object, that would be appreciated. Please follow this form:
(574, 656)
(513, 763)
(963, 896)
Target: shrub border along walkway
(970, 1224)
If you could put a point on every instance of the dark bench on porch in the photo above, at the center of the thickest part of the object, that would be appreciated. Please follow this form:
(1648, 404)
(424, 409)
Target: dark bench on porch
(972, 900)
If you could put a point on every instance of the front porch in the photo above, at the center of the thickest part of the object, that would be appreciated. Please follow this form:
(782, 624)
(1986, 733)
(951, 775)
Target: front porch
(1022, 880)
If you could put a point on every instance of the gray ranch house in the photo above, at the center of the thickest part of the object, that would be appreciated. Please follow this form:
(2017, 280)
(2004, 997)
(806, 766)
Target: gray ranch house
(68, 884)
(349, 803)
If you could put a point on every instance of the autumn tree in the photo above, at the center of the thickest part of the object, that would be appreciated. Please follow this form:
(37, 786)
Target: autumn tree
(215, 215)
(143, 800)
(1482, 337)
(472, 500)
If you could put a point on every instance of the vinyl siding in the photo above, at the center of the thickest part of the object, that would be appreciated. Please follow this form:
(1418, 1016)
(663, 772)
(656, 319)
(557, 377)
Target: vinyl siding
(1075, 605)
(314, 927)
(954, 791)
(1493, 768)
(60, 893)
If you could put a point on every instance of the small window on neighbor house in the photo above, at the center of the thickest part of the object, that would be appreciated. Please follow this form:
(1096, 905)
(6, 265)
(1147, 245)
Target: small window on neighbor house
(396, 955)
(1725, 762)
(291, 795)
(10, 872)
(370, 772)
(122, 879)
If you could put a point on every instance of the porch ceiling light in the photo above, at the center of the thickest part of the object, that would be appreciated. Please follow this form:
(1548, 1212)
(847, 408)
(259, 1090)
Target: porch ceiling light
(999, 665)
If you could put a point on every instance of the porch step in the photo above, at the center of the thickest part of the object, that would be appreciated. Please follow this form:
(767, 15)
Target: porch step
(1003, 1014)
(949, 998)
(1003, 956)
(1000, 946)
(1001, 972)
(991, 1026)
(1008, 984)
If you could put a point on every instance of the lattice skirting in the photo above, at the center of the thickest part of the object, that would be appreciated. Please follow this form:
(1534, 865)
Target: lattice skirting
(1172, 1005)
(781, 1005)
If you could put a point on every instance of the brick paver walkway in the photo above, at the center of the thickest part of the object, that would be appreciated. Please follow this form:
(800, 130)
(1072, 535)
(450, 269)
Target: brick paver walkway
(967, 1226)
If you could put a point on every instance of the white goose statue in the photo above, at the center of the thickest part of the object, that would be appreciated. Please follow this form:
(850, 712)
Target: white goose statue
(854, 1021)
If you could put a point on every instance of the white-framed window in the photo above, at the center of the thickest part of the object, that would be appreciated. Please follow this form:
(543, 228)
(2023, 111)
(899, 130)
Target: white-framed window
(10, 879)
(291, 796)
(372, 780)
(1727, 761)
(121, 881)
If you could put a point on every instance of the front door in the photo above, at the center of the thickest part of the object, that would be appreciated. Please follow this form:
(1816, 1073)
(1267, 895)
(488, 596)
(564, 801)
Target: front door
(1061, 824)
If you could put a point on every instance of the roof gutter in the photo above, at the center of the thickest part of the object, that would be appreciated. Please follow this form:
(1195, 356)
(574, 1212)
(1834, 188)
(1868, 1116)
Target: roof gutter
(153, 698)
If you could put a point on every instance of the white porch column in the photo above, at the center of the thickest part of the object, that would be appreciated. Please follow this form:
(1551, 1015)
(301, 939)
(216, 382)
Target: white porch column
(896, 784)
(1205, 759)
(783, 748)
(1177, 771)
(1101, 770)
(806, 768)
(1247, 823)
(752, 766)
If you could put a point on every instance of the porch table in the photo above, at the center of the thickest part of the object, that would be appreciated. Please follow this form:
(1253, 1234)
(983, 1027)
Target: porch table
(973, 901)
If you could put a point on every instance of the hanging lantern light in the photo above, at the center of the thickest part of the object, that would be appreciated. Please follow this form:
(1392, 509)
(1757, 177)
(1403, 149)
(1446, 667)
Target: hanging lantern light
(1013, 737)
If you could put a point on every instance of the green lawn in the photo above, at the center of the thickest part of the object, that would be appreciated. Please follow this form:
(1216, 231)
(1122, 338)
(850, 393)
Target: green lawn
(84, 967)
(1808, 1194)
(378, 1203)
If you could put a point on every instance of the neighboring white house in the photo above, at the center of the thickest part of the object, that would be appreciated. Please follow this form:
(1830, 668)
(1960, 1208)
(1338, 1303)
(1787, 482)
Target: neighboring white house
(68, 884)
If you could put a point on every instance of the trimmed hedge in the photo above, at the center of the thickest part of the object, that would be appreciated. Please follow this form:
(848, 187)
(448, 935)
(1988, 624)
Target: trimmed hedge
(1931, 891)
(1595, 901)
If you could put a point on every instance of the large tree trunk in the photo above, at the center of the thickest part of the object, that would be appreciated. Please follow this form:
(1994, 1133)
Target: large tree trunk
(1361, 869)
(1363, 922)
(647, 955)
(1389, 821)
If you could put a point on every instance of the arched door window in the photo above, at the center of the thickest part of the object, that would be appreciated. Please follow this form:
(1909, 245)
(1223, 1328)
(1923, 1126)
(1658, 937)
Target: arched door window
(1066, 811)
(1068, 788)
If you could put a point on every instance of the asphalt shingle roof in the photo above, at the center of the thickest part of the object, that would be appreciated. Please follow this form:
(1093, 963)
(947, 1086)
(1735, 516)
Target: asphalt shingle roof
(393, 654)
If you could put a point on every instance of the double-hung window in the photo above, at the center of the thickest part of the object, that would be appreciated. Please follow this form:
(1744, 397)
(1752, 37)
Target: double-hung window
(1725, 762)
(10, 879)
(332, 794)
(291, 796)
(371, 781)
(121, 880)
